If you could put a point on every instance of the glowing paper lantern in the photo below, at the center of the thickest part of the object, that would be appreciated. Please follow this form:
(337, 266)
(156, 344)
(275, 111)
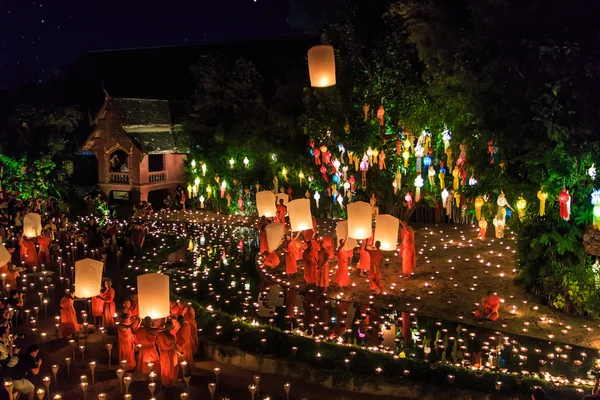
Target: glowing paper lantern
(359, 220)
(386, 231)
(521, 204)
(265, 204)
(153, 296)
(341, 231)
(32, 225)
(274, 235)
(321, 66)
(419, 184)
(5, 256)
(282, 196)
(88, 278)
(300, 216)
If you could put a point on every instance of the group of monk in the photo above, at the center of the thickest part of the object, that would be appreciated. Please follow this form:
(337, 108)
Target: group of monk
(316, 253)
(161, 344)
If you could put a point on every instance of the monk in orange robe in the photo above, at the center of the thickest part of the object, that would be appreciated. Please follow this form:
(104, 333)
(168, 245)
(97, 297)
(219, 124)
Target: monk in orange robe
(364, 262)
(323, 269)
(489, 307)
(282, 209)
(310, 262)
(28, 252)
(328, 245)
(44, 252)
(407, 250)
(406, 334)
(290, 256)
(126, 342)
(262, 238)
(105, 301)
(145, 337)
(341, 277)
(11, 274)
(168, 350)
(189, 315)
(375, 270)
(135, 307)
(68, 317)
(300, 247)
(272, 260)
(184, 340)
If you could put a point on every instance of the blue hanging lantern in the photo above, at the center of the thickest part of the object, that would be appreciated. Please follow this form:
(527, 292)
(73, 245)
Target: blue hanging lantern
(427, 161)
(336, 179)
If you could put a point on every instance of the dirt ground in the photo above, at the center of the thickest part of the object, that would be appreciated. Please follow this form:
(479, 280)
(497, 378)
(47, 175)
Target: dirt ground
(454, 270)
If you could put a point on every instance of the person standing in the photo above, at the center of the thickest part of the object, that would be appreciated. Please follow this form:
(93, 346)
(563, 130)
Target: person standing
(167, 348)
(310, 261)
(105, 302)
(145, 337)
(290, 256)
(44, 252)
(341, 277)
(68, 316)
(126, 342)
(407, 250)
(364, 262)
(375, 270)
(184, 340)
(323, 269)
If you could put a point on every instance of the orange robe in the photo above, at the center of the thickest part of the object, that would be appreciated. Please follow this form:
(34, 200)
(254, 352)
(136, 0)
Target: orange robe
(169, 367)
(44, 252)
(341, 277)
(127, 347)
(323, 271)
(299, 249)
(329, 246)
(28, 252)
(272, 260)
(364, 262)
(492, 305)
(190, 318)
(409, 257)
(148, 354)
(68, 317)
(290, 257)
(262, 238)
(184, 341)
(375, 270)
(310, 263)
(105, 302)
(135, 310)
(11, 276)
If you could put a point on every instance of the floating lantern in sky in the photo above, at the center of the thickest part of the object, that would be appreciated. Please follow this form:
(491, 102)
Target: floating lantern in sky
(153, 295)
(359, 220)
(300, 216)
(321, 66)
(88, 278)
(341, 232)
(386, 231)
(265, 204)
(274, 235)
(32, 225)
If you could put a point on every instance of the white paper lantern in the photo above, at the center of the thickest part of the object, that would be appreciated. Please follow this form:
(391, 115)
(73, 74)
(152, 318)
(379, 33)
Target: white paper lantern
(265, 204)
(88, 278)
(300, 216)
(282, 196)
(321, 66)
(341, 231)
(274, 235)
(32, 225)
(386, 231)
(360, 215)
(5, 256)
(153, 295)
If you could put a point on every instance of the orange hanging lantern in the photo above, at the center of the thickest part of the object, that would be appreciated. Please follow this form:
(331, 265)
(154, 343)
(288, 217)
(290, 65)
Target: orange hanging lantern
(321, 66)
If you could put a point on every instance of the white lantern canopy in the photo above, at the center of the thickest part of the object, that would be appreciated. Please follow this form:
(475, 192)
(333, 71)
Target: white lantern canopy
(360, 215)
(386, 231)
(321, 66)
(32, 225)
(153, 296)
(341, 231)
(5, 256)
(282, 196)
(265, 204)
(274, 235)
(88, 278)
(300, 216)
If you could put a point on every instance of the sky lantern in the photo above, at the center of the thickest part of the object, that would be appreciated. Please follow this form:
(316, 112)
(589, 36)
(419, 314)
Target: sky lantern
(32, 225)
(88, 278)
(5, 256)
(265, 204)
(274, 235)
(153, 295)
(300, 216)
(386, 231)
(341, 232)
(359, 220)
(321, 66)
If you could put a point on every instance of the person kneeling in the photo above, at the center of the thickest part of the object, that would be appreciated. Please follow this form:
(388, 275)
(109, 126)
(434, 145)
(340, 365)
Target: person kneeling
(488, 309)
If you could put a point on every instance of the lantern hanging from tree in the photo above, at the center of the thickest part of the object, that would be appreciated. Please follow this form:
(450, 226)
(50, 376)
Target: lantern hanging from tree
(431, 175)
(231, 163)
(32, 225)
(301, 176)
(409, 200)
(359, 220)
(596, 211)
(208, 191)
(382, 158)
(479, 202)
(455, 175)
(405, 156)
(592, 172)
(275, 234)
(265, 204)
(223, 187)
(419, 153)
(521, 204)
(88, 278)
(446, 136)
(565, 204)
(397, 180)
(300, 216)
(321, 66)
(203, 168)
(445, 195)
(317, 197)
(380, 114)
(201, 201)
(364, 167)
(449, 159)
(246, 162)
(370, 155)
(386, 231)
(418, 184)
(499, 223)
(442, 176)
(153, 296)
(341, 232)
(543, 196)
(340, 200)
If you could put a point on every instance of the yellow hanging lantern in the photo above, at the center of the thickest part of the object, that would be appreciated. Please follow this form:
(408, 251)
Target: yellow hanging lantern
(442, 177)
(456, 175)
(203, 169)
(449, 159)
(521, 204)
(479, 202)
(321, 66)
(405, 155)
(301, 176)
(208, 191)
(284, 173)
(431, 174)
(370, 156)
(543, 196)
(189, 189)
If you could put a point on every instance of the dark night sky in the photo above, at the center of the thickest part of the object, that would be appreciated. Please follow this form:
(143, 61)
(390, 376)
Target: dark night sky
(44, 34)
